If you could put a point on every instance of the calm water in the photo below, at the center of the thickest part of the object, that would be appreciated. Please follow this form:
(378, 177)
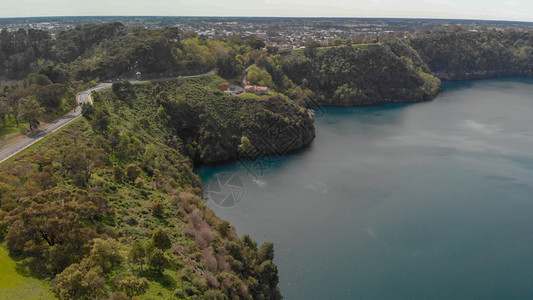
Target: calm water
(425, 201)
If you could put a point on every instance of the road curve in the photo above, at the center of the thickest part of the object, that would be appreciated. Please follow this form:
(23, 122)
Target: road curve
(81, 97)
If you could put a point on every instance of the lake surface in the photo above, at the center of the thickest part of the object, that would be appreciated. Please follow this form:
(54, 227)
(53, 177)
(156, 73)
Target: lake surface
(431, 200)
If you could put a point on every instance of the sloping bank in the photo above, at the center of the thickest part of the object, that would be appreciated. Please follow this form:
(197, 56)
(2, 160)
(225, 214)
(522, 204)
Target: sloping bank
(111, 205)
(367, 74)
(408, 70)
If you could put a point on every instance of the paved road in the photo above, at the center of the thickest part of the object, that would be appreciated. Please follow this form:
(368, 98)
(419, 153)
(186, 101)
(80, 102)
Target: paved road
(81, 97)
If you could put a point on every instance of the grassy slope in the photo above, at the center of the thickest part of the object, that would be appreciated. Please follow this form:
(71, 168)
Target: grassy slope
(13, 285)
(127, 200)
(131, 202)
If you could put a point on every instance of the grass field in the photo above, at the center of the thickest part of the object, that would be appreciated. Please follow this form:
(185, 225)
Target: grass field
(10, 128)
(15, 286)
(254, 96)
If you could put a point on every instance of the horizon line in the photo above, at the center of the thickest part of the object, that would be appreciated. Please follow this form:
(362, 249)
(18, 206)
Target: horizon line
(278, 17)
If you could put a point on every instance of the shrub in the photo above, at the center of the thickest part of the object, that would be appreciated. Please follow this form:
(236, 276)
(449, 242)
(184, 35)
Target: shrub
(157, 260)
(161, 240)
(139, 182)
(223, 228)
(157, 208)
(132, 172)
(118, 173)
(133, 286)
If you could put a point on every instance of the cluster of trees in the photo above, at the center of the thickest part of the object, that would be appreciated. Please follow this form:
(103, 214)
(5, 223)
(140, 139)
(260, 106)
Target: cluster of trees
(37, 96)
(363, 74)
(147, 51)
(458, 54)
(23, 52)
(256, 76)
(112, 50)
(155, 53)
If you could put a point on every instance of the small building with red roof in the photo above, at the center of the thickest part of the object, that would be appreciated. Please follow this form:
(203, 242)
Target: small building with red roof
(256, 89)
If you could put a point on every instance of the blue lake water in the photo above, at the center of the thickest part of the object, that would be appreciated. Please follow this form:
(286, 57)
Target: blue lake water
(431, 200)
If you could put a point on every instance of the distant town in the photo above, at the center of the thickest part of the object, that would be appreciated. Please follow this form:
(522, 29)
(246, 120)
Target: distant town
(284, 33)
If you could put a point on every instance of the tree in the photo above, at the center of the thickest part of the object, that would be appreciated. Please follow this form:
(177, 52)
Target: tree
(123, 90)
(4, 109)
(157, 208)
(161, 240)
(82, 161)
(133, 286)
(228, 67)
(234, 39)
(310, 48)
(46, 217)
(272, 50)
(104, 254)
(139, 182)
(49, 96)
(55, 73)
(31, 110)
(13, 99)
(158, 179)
(132, 172)
(258, 76)
(101, 119)
(266, 252)
(157, 260)
(45, 178)
(79, 281)
(223, 228)
(256, 43)
(87, 110)
(137, 255)
(123, 147)
(245, 145)
(267, 274)
(101, 142)
(52, 217)
(118, 173)
(337, 42)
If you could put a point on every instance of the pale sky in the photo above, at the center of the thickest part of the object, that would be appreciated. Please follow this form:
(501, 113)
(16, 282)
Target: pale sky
(517, 10)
